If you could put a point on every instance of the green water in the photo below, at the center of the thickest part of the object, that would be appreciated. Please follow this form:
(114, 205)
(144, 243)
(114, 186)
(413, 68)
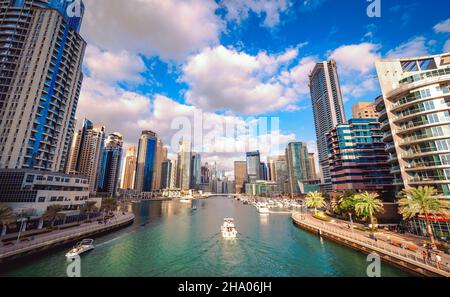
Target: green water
(172, 239)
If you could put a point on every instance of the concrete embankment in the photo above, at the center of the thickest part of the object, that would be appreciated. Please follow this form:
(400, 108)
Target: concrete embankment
(62, 237)
(401, 258)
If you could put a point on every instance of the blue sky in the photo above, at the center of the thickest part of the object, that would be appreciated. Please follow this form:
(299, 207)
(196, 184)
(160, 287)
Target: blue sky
(240, 58)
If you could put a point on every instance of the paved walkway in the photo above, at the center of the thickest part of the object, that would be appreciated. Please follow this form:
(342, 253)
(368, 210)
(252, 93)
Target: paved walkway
(57, 235)
(383, 240)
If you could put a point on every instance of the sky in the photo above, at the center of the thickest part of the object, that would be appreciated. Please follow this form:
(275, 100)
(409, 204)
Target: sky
(213, 70)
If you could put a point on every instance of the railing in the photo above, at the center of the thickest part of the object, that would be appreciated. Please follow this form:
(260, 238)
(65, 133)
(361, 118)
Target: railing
(358, 238)
(68, 234)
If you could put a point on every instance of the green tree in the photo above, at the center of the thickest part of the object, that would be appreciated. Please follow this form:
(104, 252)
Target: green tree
(367, 206)
(109, 204)
(346, 203)
(422, 201)
(89, 208)
(315, 200)
(53, 214)
(6, 217)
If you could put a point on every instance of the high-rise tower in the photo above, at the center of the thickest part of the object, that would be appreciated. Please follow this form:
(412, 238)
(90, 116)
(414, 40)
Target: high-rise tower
(41, 53)
(328, 109)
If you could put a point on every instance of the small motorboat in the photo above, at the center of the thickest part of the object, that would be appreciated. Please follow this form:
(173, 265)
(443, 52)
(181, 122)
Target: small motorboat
(82, 247)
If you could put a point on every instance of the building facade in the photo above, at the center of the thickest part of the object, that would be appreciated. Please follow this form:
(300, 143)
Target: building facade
(109, 174)
(415, 115)
(240, 176)
(253, 166)
(87, 155)
(184, 165)
(33, 191)
(41, 55)
(145, 164)
(129, 171)
(364, 110)
(328, 110)
(166, 173)
(298, 165)
(358, 160)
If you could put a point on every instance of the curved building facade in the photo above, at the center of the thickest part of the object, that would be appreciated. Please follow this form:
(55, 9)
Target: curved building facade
(415, 117)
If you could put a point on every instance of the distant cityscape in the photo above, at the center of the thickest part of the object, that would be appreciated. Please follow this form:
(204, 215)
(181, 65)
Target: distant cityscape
(399, 140)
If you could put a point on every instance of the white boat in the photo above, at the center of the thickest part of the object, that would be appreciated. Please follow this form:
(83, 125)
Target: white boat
(262, 208)
(82, 247)
(187, 199)
(228, 228)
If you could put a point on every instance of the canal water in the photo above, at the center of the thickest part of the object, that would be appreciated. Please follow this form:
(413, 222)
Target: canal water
(170, 238)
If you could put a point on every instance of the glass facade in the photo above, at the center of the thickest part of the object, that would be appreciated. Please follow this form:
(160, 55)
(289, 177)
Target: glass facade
(145, 167)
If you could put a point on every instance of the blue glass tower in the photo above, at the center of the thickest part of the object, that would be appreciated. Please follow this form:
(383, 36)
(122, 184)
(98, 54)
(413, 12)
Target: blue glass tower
(145, 166)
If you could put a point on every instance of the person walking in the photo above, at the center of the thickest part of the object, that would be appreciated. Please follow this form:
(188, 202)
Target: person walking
(424, 256)
(438, 261)
(428, 257)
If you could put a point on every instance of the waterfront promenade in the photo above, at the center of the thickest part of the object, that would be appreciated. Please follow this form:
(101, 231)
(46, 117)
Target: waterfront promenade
(410, 260)
(59, 237)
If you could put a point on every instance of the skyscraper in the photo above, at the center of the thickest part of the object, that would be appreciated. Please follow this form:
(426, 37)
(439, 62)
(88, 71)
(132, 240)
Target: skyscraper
(312, 165)
(196, 167)
(328, 109)
(87, 151)
(263, 175)
(40, 69)
(184, 165)
(129, 171)
(161, 155)
(166, 174)
(414, 115)
(253, 166)
(109, 172)
(297, 159)
(145, 165)
(173, 174)
(281, 174)
(240, 176)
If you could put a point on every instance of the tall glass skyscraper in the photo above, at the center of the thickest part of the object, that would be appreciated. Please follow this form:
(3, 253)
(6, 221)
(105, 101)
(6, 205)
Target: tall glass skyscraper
(253, 166)
(145, 167)
(298, 165)
(41, 54)
(328, 109)
(109, 172)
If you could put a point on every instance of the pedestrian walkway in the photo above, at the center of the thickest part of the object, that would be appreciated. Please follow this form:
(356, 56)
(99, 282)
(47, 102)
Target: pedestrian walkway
(381, 242)
(56, 237)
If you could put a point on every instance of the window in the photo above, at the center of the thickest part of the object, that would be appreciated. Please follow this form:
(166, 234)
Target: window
(427, 64)
(30, 178)
(409, 66)
(41, 199)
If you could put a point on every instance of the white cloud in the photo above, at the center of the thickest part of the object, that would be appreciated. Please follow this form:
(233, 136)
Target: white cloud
(171, 29)
(413, 48)
(356, 57)
(119, 110)
(107, 66)
(447, 47)
(357, 89)
(224, 79)
(298, 76)
(443, 27)
(238, 10)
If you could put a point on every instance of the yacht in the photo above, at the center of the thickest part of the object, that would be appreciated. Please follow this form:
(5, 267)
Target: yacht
(186, 198)
(228, 229)
(262, 208)
(82, 247)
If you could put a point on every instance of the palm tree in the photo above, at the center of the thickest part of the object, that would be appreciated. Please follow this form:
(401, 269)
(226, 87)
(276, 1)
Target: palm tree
(315, 200)
(346, 203)
(421, 201)
(89, 208)
(6, 217)
(367, 206)
(109, 204)
(53, 213)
